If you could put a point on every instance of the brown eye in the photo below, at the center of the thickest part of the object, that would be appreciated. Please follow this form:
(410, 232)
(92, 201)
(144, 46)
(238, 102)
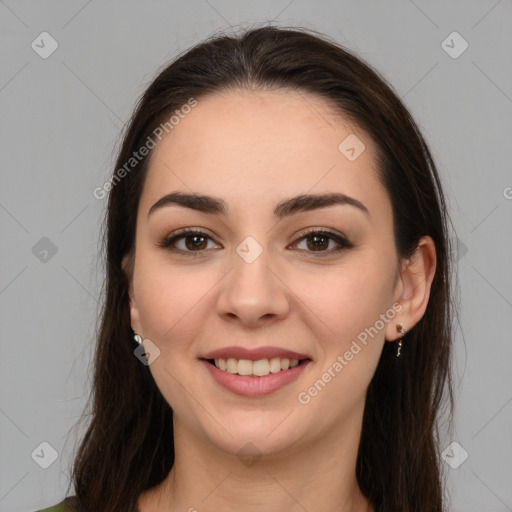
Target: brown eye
(323, 242)
(186, 241)
(195, 242)
(317, 242)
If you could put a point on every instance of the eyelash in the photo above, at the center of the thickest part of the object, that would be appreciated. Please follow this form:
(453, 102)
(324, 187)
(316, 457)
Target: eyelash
(343, 242)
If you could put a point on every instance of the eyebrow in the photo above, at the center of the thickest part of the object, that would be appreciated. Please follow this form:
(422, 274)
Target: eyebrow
(293, 205)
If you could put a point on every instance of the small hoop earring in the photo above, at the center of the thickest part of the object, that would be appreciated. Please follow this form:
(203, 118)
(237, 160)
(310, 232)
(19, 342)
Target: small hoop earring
(137, 338)
(401, 330)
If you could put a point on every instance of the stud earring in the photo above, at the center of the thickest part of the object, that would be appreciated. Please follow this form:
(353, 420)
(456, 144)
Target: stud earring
(137, 338)
(401, 330)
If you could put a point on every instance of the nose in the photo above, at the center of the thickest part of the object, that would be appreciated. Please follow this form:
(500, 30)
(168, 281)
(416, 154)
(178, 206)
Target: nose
(252, 293)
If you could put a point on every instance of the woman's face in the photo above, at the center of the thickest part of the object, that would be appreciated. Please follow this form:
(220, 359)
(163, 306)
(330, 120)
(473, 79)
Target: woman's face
(255, 279)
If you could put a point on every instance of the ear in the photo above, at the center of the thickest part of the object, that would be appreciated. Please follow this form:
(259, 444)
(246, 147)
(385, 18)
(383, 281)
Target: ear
(127, 265)
(412, 290)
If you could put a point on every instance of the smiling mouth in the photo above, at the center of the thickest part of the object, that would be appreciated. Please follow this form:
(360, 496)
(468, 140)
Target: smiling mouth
(259, 368)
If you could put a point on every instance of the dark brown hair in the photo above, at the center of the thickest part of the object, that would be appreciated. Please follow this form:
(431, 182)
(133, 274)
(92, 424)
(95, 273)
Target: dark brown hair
(128, 446)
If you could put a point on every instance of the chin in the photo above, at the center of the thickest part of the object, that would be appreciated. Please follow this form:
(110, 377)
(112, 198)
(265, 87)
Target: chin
(256, 435)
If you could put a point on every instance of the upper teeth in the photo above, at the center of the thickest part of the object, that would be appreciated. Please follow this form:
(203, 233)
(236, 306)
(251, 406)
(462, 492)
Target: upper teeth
(260, 368)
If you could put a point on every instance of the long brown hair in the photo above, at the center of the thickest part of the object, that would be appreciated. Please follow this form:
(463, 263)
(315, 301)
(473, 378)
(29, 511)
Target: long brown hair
(128, 445)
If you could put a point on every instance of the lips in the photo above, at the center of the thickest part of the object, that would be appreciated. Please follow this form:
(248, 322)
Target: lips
(253, 386)
(255, 372)
(254, 354)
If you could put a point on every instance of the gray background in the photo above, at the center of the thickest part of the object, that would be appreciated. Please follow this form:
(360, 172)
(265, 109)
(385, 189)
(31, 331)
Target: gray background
(60, 122)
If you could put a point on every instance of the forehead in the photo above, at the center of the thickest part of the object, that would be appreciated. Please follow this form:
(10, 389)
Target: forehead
(262, 145)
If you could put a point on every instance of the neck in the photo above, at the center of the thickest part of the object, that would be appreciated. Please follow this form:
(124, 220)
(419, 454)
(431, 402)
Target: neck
(317, 475)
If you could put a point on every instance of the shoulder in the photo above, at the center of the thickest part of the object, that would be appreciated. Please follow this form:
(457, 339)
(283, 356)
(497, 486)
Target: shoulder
(66, 505)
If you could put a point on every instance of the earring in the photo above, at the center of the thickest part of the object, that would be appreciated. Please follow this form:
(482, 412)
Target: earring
(401, 330)
(137, 338)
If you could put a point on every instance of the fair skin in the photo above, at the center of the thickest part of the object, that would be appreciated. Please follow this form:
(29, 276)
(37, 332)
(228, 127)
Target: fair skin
(253, 150)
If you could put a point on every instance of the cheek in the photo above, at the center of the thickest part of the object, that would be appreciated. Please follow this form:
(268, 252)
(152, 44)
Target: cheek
(352, 308)
(347, 299)
(172, 302)
(170, 298)
(349, 331)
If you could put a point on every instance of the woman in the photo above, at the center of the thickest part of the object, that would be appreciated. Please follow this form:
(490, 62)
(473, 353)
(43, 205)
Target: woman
(276, 324)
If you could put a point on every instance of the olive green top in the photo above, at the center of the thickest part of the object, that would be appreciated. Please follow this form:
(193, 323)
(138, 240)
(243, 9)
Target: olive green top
(65, 505)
